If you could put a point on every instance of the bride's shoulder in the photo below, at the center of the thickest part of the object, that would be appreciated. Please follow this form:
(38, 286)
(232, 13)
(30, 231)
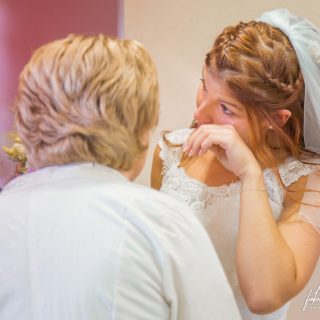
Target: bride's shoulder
(293, 169)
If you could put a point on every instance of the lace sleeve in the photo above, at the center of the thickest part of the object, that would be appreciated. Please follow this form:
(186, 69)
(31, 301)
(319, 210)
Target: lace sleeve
(310, 208)
(292, 170)
(171, 154)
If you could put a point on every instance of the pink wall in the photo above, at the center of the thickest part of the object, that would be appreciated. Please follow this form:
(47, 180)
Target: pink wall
(25, 25)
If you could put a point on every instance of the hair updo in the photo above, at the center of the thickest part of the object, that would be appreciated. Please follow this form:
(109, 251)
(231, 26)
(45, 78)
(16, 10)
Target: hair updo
(258, 63)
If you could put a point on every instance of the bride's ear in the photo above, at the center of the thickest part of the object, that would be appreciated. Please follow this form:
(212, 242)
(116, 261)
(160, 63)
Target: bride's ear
(281, 117)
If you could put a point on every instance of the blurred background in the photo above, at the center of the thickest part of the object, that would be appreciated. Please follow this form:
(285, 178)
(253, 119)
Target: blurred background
(27, 24)
(177, 33)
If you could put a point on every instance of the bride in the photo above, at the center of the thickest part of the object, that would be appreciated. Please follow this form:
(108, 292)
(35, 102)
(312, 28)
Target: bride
(247, 166)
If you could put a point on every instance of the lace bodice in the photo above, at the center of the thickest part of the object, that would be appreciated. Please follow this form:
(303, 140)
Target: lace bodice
(218, 207)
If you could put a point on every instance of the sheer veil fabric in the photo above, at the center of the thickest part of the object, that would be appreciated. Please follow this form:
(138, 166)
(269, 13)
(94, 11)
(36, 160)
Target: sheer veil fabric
(305, 38)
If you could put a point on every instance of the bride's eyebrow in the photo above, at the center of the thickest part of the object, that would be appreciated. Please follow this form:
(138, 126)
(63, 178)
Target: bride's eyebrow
(231, 104)
(221, 99)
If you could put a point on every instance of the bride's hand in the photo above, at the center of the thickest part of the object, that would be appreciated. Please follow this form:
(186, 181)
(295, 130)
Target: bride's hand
(226, 144)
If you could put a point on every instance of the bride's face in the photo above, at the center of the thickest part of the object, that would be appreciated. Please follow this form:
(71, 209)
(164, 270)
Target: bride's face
(217, 105)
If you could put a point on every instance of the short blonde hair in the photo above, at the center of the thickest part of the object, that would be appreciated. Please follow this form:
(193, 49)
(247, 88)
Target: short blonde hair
(87, 98)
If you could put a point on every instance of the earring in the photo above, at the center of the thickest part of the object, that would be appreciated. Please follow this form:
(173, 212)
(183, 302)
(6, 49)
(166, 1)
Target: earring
(270, 127)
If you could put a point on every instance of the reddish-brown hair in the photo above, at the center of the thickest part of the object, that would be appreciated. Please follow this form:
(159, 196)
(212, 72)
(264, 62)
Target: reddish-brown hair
(260, 66)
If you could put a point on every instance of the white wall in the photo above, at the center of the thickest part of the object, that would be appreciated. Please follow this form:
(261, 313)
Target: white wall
(178, 33)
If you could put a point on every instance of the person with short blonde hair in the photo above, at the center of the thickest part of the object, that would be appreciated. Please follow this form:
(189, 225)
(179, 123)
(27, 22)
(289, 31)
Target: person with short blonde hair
(78, 239)
(87, 99)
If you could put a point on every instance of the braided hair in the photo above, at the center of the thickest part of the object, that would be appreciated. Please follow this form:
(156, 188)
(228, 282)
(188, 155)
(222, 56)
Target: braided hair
(258, 63)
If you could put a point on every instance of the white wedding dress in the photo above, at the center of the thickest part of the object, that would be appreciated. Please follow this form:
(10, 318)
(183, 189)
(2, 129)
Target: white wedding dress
(218, 207)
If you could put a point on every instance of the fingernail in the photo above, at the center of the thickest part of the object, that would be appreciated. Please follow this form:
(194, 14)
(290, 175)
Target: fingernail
(185, 148)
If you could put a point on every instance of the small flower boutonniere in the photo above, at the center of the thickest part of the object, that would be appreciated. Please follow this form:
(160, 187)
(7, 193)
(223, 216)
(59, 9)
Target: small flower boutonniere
(17, 153)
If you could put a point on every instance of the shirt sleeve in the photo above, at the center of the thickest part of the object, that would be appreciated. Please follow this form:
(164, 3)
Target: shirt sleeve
(139, 289)
(195, 278)
(169, 270)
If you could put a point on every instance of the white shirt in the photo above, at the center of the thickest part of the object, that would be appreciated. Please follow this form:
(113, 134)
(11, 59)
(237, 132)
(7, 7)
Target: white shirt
(82, 242)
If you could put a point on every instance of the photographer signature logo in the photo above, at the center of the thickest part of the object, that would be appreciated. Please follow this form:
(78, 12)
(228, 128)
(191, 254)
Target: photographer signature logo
(313, 300)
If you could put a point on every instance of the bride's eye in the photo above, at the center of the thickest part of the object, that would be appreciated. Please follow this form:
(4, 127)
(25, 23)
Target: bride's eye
(226, 110)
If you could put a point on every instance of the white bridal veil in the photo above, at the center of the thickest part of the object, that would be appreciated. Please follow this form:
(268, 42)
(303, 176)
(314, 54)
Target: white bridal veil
(305, 38)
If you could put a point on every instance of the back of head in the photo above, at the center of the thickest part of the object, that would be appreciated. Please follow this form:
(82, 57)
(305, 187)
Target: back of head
(87, 98)
(260, 66)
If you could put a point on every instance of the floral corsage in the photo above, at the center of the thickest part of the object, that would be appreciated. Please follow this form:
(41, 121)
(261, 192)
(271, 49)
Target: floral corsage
(17, 153)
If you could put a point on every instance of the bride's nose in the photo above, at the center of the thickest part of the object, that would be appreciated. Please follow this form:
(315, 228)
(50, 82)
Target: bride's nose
(202, 116)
